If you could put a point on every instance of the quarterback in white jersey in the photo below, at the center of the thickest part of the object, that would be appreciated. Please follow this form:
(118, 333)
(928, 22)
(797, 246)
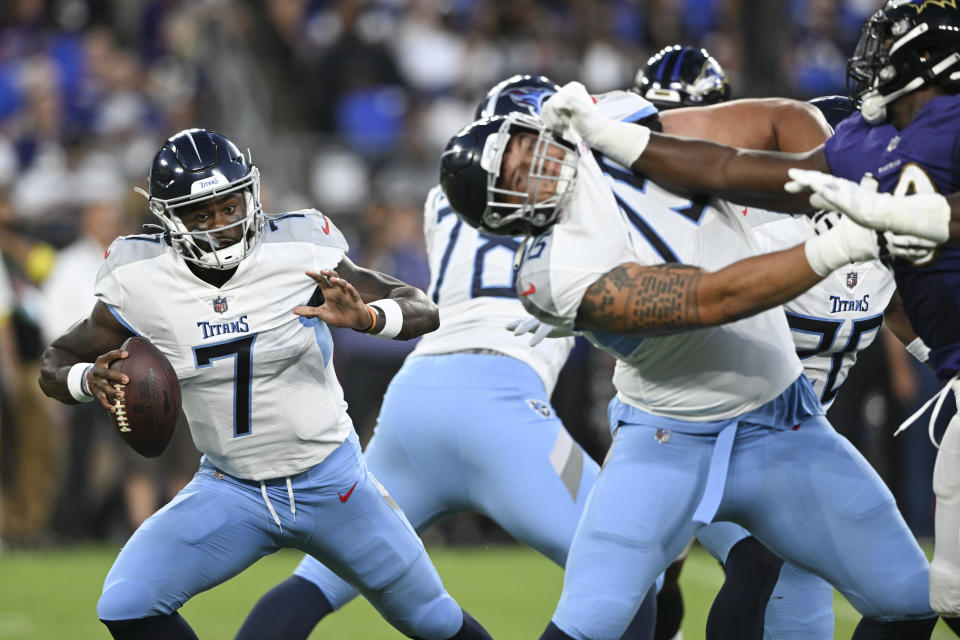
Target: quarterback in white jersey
(225, 342)
(710, 421)
(223, 295)
(468, 418)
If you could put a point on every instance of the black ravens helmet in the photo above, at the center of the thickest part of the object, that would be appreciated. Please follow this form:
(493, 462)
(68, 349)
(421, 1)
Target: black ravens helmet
(682, 76)
(904, 46)
(525, 93)
(835, 109)
(470, 175)
(196, 165)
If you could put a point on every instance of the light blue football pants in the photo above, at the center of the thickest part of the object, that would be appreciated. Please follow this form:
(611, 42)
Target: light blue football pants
(474, 432)
(805, 493)
(218, 525)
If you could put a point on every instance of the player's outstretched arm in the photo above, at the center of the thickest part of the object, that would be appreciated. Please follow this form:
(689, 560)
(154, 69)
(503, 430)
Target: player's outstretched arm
(75, 367)
(404, 310)
(670, 298)
(639, 300)
(751, 177)
(927, 215)
(767, 124)
(895, 319)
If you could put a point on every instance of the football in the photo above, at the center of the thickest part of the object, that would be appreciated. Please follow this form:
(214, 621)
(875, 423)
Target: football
(147, 414)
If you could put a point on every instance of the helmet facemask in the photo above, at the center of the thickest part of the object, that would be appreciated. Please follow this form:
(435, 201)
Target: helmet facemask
(896, 54)
(202, 247)
(552, 163)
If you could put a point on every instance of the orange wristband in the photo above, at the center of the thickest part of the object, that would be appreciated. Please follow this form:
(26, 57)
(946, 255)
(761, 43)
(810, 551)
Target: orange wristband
(373, 319)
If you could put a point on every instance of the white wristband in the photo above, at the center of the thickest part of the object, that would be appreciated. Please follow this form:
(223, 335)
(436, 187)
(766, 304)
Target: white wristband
(75, 381)
(919, 350)
(824, 253)
(622, 142)
(393, 318)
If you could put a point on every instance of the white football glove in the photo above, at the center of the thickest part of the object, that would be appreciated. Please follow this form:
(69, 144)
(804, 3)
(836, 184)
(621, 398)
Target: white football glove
(891, 245)
(919, 251)
(573, 114)
(846, 242)
(540, 330)
(823, 221)
(926, 215)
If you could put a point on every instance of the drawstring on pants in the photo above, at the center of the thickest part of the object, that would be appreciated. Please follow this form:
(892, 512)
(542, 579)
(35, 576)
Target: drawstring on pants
(266, 500)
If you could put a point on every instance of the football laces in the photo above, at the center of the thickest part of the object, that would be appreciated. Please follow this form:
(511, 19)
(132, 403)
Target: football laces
(120, 410)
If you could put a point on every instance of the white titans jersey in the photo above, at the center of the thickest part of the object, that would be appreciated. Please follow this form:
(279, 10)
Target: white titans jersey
(472, 281)
(836, 318)
(258, 384)
(706, 374)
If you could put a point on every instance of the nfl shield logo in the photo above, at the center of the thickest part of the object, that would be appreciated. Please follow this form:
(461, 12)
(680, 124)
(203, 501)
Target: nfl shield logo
(540, 408)
(851, 279)
(220, 304)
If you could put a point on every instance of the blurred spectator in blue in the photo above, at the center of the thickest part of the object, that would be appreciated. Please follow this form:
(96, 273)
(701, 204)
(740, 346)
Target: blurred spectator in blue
(826, 32)
(355, 87)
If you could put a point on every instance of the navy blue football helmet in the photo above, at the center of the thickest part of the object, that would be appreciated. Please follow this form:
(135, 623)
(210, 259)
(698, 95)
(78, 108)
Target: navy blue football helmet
(903, 47)
(835, 109)
(525, 93)
(682, 76)
(470, 175)
(196, 165)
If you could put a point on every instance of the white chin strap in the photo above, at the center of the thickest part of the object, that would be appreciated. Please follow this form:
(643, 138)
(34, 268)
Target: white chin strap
(227, 257)
(874, 105)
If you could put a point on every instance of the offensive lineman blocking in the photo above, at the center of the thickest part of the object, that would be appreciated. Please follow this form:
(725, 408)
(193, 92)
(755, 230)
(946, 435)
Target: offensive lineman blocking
(705, 414)
(906, 70)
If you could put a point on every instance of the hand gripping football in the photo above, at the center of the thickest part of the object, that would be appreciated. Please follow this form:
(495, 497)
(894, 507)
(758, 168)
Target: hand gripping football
(147, 414)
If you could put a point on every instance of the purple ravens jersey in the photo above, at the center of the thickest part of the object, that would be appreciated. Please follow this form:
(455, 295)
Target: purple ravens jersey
(924, 157)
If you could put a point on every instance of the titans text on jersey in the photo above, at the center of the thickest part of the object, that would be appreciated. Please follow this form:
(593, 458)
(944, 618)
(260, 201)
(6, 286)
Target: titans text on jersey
(225, 343)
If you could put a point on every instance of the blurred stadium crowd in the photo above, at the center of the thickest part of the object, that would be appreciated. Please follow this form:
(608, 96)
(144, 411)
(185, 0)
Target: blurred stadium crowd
(346, 105)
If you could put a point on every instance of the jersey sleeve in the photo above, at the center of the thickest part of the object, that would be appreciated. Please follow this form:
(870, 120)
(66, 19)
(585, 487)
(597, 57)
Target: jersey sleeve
(551, 288)
(625, 106)
(435, 202)
(591, 238)
(109, 288)
(309, 226)
(305, 225)
(843, 150)
(111, 285)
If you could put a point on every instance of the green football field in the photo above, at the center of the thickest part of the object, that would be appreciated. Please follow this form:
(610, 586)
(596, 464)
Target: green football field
(53, 594)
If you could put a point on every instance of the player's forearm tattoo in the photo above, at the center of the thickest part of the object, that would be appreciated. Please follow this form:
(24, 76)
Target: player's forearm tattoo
(636, 299)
